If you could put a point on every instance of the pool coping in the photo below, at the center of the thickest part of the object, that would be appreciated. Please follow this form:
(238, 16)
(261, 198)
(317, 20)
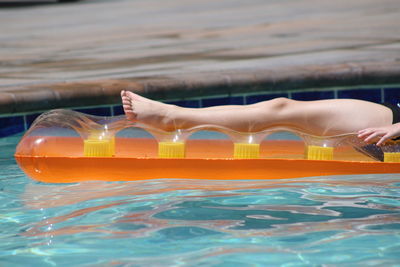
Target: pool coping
(37, 97)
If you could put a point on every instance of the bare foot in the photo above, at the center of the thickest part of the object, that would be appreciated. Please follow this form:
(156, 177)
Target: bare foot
(146, 111)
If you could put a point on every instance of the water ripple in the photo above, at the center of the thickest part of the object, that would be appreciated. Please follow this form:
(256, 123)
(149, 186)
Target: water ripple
(348, 220)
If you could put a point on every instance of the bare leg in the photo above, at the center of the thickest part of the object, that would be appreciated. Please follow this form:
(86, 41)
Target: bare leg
(322, 117)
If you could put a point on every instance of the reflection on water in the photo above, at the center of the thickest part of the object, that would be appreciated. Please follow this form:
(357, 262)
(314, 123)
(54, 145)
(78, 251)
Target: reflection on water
(332, 221)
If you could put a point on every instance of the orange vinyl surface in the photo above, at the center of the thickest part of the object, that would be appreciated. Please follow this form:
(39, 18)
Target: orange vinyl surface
(61, 160)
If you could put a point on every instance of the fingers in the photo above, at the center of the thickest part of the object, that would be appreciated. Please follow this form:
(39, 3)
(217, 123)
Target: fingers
(364, 132)
(380, 134)
(372, 136)
(383, 139)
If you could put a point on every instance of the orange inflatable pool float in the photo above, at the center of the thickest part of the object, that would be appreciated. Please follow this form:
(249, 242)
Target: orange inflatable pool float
(64, 146)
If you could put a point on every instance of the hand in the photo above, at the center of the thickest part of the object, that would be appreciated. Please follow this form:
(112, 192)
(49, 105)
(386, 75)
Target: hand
(382, 133)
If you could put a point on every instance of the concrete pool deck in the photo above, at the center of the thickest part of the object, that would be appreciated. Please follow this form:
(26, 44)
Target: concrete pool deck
(84, 53)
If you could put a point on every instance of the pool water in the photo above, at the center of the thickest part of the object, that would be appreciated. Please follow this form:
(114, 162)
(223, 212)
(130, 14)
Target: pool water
(315, 221)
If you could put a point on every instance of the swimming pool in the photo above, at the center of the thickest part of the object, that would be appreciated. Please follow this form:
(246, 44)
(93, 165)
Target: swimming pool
(341, 220)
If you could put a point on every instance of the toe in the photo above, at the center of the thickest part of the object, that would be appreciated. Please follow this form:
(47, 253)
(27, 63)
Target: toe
(127, 107)
(132, 96)
(126, 101)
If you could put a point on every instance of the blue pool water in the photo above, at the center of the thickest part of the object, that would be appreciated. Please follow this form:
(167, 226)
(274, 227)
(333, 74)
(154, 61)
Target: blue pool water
(325, 221)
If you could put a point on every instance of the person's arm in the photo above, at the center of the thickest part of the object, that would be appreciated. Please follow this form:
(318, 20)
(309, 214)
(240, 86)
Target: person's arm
(381, 133)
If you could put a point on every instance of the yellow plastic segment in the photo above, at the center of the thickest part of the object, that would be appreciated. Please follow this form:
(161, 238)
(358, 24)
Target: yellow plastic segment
(99, 148)
(246, 151)
(171, 150)
(99, 145)
(319, 153)
(391, 157)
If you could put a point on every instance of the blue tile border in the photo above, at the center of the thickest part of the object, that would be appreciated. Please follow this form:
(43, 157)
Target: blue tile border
(98, 111)
(392, 95)
(118, 110)
(31, 118)
(313, 95)
(186, 103)
(13, 124)
(235, 100)
(372, 95)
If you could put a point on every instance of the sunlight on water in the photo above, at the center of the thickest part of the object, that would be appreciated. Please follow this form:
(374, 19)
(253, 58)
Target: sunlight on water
(342, 220)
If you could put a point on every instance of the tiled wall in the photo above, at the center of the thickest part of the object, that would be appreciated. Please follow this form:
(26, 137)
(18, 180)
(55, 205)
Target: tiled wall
(15, 124)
